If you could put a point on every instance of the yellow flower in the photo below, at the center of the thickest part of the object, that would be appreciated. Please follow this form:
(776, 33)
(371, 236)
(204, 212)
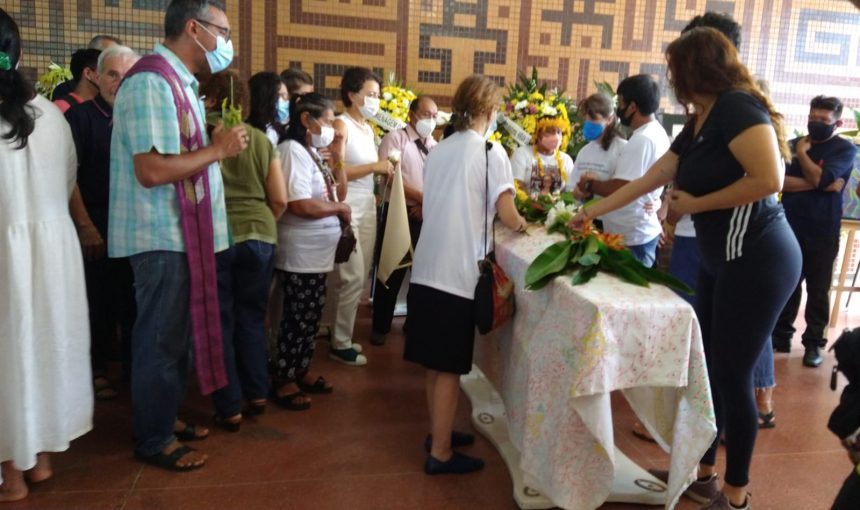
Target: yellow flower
(536, 96)
(529, 124)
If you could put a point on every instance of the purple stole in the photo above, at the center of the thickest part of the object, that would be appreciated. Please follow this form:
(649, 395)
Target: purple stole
(195, 210)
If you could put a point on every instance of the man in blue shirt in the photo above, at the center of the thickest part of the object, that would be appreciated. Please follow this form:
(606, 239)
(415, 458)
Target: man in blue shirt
(109, 281)
(812, 197)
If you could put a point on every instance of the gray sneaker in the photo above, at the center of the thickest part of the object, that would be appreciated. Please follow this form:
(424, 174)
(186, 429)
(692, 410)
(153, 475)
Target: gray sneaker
(699, 491)
(721, 502)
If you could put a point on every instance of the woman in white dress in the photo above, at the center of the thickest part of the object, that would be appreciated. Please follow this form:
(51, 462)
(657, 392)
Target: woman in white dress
(46, 398)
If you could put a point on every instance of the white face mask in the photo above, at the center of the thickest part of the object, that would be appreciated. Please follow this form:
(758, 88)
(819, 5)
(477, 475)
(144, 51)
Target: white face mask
(323, 139)
(370, 107)
(425, 127)
(494, 124)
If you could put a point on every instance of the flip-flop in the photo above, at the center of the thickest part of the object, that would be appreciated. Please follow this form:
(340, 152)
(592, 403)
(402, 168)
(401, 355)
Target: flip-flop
(319, 387)
(189, 433)
(169, 461)
(102, 389)
(766, 420)
(288, 401)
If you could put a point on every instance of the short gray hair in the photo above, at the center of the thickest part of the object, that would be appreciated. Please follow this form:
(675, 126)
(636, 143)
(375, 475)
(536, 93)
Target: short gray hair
(114, 51)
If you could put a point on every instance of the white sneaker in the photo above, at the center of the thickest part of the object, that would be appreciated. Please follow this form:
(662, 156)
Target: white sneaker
(357, 347)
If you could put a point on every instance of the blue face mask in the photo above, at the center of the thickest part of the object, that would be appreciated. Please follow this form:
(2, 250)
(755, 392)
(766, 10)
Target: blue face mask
(222, 56)
(282, 111)
(592, 130)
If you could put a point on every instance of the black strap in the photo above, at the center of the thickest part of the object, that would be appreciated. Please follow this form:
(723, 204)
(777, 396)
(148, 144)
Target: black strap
(328, 177)
(423, 148)
(487, 201)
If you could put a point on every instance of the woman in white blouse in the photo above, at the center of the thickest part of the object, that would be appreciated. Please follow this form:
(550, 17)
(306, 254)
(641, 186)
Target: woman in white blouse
(467, 180)
(312, 225)
(356, 146)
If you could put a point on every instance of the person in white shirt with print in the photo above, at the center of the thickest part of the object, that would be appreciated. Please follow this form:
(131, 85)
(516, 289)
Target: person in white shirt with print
(638, 100)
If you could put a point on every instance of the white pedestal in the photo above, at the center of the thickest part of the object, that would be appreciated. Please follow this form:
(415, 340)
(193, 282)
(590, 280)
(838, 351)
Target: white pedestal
(632, 484)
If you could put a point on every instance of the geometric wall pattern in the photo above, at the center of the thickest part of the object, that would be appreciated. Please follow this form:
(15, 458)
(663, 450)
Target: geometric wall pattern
(803, 47)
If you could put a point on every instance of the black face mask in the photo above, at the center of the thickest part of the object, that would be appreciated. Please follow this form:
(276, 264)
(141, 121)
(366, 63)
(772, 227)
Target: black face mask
(619, 112)
(819, 131)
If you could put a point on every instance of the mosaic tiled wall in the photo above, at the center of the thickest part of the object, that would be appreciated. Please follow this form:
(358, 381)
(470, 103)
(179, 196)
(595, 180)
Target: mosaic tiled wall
(803, 47)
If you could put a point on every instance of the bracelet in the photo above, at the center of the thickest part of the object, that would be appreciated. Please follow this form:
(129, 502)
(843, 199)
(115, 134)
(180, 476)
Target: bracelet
(585, 214)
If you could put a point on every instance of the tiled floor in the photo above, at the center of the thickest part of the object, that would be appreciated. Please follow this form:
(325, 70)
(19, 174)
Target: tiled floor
(360, 448)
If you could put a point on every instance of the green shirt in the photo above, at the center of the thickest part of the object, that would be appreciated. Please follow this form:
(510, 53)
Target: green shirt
(244, 179)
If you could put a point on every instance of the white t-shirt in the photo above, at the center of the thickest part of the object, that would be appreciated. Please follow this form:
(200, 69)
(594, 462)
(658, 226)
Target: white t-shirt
(638, 226)
(592, 158)
(452, 236)
(685, 227)
(360, 150)
(305, 245)
(524, 167)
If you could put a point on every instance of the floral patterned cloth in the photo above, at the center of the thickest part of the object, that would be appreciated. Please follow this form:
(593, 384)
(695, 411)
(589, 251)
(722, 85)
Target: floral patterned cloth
(568, 347)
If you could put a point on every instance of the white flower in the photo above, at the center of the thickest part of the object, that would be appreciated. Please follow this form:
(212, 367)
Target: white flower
(388, 96)
(559, 213)
(394, 156)
(549, 110)
(522, 104)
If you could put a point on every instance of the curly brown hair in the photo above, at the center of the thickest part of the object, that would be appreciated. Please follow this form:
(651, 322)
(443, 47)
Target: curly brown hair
(217, 87)
(704, 61)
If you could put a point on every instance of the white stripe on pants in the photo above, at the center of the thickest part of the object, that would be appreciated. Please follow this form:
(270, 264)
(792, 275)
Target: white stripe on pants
(347, 281)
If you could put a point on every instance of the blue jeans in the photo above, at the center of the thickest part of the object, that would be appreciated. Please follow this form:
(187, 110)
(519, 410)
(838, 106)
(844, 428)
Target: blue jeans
(244, 276)
(645, 253)
(684, 264)
(161, 346)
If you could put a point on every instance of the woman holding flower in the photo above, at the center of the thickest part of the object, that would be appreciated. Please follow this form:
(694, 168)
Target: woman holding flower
(355, 145)
(542, 167)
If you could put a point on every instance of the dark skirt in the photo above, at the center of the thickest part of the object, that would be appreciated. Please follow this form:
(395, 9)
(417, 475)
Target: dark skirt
(441, 330)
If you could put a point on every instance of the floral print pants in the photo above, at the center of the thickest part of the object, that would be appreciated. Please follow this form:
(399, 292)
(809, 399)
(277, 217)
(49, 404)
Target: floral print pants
(304, 298)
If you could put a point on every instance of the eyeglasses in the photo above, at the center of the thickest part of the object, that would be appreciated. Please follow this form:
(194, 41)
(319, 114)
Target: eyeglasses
(225, 32)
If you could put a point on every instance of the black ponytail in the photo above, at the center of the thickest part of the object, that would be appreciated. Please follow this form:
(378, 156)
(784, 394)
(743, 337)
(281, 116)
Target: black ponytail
(315, 104)
(15, 91)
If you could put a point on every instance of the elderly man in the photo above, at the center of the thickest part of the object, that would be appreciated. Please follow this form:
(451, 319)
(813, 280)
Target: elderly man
(414, 142)
(167, 214)
(109, 281)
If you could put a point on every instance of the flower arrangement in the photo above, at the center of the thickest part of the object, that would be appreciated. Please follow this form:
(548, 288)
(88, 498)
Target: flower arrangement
(536, 209)
(393, 107)
(530, 104)
(587, 251)
(49, 80)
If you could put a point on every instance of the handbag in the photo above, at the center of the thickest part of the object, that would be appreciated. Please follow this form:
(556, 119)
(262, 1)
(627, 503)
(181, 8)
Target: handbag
(494, 292)
(347, 241)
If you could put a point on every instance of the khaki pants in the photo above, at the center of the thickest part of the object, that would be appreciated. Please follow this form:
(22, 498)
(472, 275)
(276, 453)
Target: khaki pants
(347, 281)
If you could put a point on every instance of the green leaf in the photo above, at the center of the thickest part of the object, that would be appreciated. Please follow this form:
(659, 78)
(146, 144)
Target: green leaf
(583, 275)
(551, 261)
(589, 259)
(591, 245)
(543, 282)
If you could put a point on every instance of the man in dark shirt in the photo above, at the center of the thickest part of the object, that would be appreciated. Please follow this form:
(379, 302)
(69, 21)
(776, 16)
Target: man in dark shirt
(109, 281)
(812, 197)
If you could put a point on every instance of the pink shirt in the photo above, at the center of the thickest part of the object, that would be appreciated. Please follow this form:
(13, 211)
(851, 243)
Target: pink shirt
(411, 157)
